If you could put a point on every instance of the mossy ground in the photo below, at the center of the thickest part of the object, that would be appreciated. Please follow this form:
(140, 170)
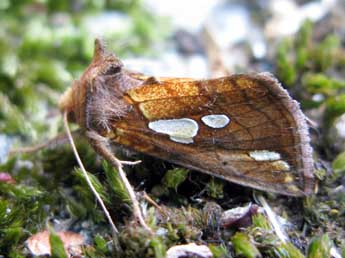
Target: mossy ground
(37, 62)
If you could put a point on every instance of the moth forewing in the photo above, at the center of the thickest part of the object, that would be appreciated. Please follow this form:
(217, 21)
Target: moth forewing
(260, 140)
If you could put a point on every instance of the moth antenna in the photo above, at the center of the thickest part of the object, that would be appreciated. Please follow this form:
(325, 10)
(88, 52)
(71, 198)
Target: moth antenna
(98, 143)
(60, 139)
(105, 210)
(273, 219)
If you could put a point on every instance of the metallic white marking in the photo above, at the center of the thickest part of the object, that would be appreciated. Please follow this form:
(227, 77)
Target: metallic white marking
(264, 155)
(180, 130)
(282, 165)
(288, 179)
(181, 139)
(216, 121)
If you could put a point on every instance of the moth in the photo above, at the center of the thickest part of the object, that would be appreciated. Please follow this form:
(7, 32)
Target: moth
(244, 128)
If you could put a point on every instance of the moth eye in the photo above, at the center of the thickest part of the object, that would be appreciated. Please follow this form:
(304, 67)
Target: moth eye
(112, 70)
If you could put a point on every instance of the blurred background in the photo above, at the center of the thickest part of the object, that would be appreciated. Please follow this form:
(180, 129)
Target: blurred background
(46, 44)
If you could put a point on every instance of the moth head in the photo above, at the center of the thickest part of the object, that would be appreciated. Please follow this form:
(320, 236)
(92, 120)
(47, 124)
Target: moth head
(103, 65)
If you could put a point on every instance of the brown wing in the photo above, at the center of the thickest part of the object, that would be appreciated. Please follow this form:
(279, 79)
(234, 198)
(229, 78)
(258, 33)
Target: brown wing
(265, 145)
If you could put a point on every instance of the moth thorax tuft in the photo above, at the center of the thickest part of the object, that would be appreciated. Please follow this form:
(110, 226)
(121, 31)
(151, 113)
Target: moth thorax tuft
(66, 100)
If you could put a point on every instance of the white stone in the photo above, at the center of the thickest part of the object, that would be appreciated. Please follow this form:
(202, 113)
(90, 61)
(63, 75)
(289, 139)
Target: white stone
(170, 64)
(5, 145)
(216, 121)
(339, 125)
(189, 250)
(180, 130)
(287, 16)
(264, 155)
(229, 24)
(189, 15)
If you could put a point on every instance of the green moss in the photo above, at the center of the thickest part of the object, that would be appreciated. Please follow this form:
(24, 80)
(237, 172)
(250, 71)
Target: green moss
(320, 247)
(174, 177)
(285, 64)
(101, 247)
(57, 247)
(302, 43)
(215, 188)
(114, 183)
(320, 174)
(21, 211)
(304, 61)
(321, 83)
(288, 250)
(260, 221)
(219, 251)
(95, 182)
(338, 165)
(324, 53)
(158, 246)
(243, 246)
(137, 242)
(335, 106)
(16, 122)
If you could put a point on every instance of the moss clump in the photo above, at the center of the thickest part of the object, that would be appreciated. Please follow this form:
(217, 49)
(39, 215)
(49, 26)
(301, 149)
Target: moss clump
(244, 246)
(320, 247)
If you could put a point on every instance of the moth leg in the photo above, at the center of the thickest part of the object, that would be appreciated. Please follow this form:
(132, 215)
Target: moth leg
(155, 204)
(100, 145)
(93, 136)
